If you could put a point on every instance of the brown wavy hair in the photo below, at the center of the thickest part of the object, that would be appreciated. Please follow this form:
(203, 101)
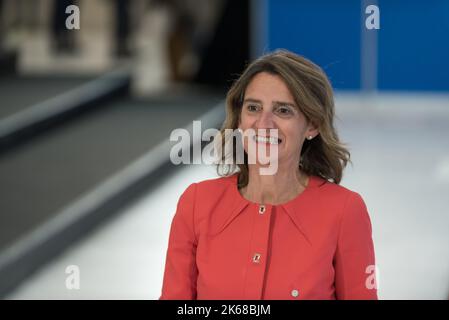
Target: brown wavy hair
(324, 156)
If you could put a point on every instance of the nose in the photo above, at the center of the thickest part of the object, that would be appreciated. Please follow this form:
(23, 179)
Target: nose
(265, 121)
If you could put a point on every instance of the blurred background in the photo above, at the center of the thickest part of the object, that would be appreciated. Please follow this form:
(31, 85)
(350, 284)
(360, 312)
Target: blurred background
(87, 107)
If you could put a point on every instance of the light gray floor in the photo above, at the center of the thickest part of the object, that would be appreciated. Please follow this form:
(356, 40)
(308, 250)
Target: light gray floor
(400, 151)
(123, 260)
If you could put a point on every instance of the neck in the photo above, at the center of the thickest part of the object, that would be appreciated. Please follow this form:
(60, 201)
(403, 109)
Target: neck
(281, 187)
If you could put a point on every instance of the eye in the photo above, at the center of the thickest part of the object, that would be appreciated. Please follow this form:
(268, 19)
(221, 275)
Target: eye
(252, 107)
(284, 110)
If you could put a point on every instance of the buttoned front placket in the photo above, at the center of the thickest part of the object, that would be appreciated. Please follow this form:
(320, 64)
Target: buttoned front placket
(259, 246)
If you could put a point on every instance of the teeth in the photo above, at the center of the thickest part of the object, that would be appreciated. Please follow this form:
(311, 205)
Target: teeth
(270, 140)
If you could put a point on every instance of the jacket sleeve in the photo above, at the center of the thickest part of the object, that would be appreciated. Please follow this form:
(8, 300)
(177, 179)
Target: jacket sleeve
(354, 260)
(180, 273)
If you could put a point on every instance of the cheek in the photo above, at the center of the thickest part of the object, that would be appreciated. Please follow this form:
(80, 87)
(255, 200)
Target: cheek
(245, 121)
(293, 133)
(291, 127)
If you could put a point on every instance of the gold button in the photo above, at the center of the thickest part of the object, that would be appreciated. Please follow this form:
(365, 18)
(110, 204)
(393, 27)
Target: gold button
(261, 209)
(295, 293)
(256, 258)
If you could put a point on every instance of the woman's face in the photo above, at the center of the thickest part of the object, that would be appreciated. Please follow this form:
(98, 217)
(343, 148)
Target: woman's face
(268, 104)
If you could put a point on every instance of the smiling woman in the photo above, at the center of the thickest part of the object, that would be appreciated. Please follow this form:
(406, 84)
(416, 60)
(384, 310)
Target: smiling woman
(292, 234)
(302, 97)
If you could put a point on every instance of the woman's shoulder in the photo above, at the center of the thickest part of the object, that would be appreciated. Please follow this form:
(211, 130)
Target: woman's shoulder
(215, 185)
(207, 194)
(346, 203)
(336, 191)
(212, 187)
(331, 187)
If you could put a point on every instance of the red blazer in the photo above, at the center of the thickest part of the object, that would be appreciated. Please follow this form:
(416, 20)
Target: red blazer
(316, 246)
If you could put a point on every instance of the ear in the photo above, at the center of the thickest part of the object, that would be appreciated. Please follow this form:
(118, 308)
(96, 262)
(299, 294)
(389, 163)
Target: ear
(312, 130)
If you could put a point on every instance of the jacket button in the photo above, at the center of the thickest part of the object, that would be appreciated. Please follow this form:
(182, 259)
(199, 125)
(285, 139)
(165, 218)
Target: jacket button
(256, 258)
(295, 293)
(261, 209)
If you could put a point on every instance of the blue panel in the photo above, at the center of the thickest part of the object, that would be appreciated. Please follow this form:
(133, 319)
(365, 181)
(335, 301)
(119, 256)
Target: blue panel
(327, 32)
(414, 45)
(413, 41)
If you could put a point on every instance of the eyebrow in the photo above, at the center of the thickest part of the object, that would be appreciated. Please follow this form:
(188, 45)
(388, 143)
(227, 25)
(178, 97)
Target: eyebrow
(275, 102)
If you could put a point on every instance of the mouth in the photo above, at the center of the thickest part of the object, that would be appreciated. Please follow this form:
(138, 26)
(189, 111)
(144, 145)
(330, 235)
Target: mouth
(267, 140)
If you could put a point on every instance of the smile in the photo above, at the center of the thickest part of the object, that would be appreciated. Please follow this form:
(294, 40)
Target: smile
(270, 140)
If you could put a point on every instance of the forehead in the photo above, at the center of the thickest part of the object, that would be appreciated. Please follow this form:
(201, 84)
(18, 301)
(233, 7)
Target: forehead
(268, 87)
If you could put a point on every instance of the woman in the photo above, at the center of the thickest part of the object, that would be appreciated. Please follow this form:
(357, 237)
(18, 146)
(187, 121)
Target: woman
(294, 234)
